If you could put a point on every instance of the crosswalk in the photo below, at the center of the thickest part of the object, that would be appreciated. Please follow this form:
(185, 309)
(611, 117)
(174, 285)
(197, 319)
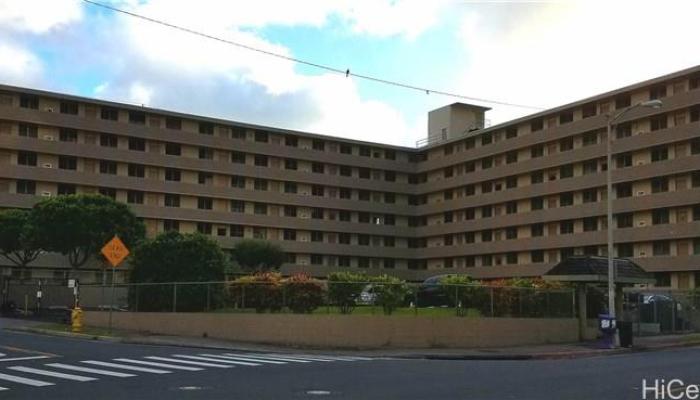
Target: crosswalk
(52, 373)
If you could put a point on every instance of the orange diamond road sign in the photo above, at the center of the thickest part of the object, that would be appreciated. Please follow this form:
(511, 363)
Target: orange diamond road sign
(115, 251)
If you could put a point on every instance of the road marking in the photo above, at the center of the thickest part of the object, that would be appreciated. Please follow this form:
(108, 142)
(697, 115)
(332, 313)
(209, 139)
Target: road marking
(257, 360)
(247, 364)
(129, 367)
(24, 381)
(157, 364)
(90, 370)
(60, 375)
(270, 358)
(3, 388)
(305, 358)
(21, 350)
(324, 357)
(24, 358)
(201, 364)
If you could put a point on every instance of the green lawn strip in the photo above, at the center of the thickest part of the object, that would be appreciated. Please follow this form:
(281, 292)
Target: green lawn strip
(86, 330)
(369, 310)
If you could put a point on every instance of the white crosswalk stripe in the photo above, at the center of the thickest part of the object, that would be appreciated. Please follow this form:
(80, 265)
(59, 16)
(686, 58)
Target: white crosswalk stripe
(24, 381)
(53, 374)
(245, 363)
(201, 364)
(333, 358)
(251, 359)
(157, 364)
(266, 357)
(127, 367)
(3, 388)
(312, 359)
(90, 370)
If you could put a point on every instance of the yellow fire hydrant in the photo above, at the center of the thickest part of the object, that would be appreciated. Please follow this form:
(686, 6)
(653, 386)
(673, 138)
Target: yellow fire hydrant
(76, 318)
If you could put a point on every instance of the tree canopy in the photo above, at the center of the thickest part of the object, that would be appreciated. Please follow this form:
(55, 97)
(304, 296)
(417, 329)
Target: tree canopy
(258, 255)
(77, 226)
(18, 237)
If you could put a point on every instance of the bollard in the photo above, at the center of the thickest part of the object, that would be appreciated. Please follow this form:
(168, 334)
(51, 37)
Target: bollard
(76, 318)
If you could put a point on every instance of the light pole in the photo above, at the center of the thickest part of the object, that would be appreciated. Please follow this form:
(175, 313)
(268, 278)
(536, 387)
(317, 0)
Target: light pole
(612, 118)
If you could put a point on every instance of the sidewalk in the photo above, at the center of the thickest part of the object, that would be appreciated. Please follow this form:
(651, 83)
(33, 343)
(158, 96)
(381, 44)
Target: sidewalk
(553, 351)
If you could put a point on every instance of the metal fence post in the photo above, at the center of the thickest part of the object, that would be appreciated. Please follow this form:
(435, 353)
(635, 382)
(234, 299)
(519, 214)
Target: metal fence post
(208, 298)
(547, 310)
(174, 297)
(284, 297)
(492, 310)
(243, 297)
(415, 300)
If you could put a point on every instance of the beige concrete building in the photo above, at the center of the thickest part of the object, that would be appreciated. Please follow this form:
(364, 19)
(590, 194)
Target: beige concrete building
(499, 201)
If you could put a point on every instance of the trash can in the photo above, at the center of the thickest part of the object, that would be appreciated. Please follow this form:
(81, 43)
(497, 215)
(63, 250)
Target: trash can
(607, 326)
(625, 330)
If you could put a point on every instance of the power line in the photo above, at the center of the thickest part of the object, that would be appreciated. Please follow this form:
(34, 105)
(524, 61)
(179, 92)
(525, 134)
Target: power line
(345, 72)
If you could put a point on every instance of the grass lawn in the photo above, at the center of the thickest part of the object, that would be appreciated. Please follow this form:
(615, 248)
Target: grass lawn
(86, 330)
(370, 310)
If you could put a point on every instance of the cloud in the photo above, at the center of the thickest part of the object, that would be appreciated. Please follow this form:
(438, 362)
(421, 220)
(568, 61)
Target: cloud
(38, 16)
(18, 65)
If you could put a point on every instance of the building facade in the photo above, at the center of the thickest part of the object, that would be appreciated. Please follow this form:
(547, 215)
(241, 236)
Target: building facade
(500, 201)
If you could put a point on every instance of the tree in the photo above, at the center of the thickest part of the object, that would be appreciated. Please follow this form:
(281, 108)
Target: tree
(344, 288)
(258, 255)
(390, 292)
(18, 237)
(77, 226)
(175, 257)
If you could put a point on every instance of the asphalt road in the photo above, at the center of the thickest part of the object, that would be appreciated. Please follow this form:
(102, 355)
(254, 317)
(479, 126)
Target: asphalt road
(297, 376)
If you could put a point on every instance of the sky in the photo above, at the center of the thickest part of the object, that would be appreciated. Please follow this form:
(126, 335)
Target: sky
(535, 53)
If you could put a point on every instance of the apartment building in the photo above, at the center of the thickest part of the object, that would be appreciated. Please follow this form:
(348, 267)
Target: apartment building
(500, 201)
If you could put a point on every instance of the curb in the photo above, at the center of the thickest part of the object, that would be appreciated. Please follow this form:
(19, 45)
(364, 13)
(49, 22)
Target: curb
(49, 332)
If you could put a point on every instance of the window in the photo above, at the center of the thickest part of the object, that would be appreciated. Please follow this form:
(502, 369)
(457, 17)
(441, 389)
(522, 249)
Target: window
(695, 179)
(658, 122)
(172, 200)
(238, 181)
(26, 187)
(134, 197)
(290, 234)
(29, 101)
(316, 259)
(68, 135)
(205, 203)
(290, 187)
(107, 140)
(588, 110)
(172, 174)
(447, 172)
(511, 233)
(238, 133)
(447, 194)
(590, 167)
(659, 185)
(108, 192)
(237, 206)
(237, 157)
(512, 207)
(511, 132)
(65, 189)
(204, 228)
(659, 153)
(536, 177)
(486, 187)
(205, 178)
(536, 151)
(590, 196)
(662, 248)
(590, 138)
(69, 107)
(623, 101)
(137, 144)
(318, 145)
(109, 113)
(566, 117)
(566, 227)
(344, 215)
(236, 231)
(137, 117)
(511, 182)
(486, 139)
(623, 190)
(261, 136)
(696, 213)
(448, 150)
(625, 250)
(511, 258)
(695, 114)
(469, 237)
(206, 153)
(590, 224)
(67, 162)
(27, 158)
(345, 148)
(108, 167)
(511, 157)
(260, 184)
(291, 141)
(536, 203)
(290, 164)
(173, 149)
(486, 260)
(389, 198)
(260, 209)
(623, 130)
(260, 160)
(487, 163)
(171, 225)
(317, 190)
(537, 256)
(390, 154)
(486, 212)
(536, 125)
(566, 171)
(389, 241)
(136, 170)
(566, 199)
(566, 144)
(469, 190)
(317, 168)
(657, 92)
(660, 216)
(447, 217)
(486, 236)
(206, 128)
(173, 123)
(469, 213)
(623, 160)
(389, 176)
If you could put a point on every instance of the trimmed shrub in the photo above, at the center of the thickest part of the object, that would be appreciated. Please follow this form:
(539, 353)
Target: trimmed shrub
(344, 288)
(390, 292)
(302, 294)
(262, 291)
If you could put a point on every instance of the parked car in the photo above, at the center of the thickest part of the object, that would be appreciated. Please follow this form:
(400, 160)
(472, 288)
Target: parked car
(432, 294)
(367, 296)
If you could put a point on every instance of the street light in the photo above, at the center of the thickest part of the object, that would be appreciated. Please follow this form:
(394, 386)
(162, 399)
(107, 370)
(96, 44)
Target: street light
(608, 175)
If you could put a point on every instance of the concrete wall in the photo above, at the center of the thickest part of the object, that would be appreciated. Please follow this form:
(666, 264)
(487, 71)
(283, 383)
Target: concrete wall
(349, 331)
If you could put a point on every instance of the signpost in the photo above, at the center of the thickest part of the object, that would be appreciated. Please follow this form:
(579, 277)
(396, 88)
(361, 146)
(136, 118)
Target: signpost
(115, 252)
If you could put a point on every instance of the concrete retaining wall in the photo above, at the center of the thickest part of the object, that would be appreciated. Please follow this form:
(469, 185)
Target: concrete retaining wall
(348, 331)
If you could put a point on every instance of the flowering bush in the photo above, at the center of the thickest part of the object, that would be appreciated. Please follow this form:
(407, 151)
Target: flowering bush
(262, 291)
(302, 294)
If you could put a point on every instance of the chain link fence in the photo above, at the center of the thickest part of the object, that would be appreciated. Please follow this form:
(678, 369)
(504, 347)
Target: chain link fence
(657, 312)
